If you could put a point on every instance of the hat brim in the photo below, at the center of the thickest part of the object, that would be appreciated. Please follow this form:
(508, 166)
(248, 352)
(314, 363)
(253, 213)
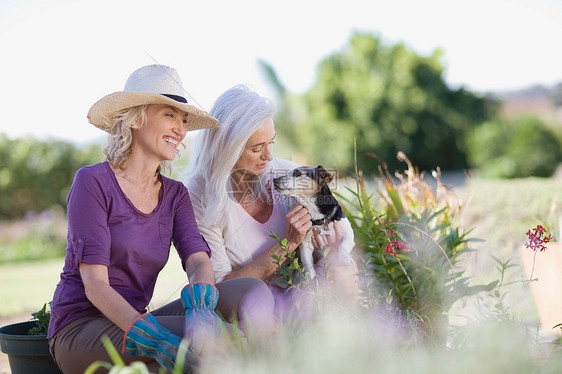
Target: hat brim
(101, 113)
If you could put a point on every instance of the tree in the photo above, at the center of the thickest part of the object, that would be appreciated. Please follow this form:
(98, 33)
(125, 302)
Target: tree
(387, 99)
(514, 148)
(36, 175)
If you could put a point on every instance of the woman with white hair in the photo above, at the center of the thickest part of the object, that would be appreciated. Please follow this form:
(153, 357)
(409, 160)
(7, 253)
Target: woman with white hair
(230, 168)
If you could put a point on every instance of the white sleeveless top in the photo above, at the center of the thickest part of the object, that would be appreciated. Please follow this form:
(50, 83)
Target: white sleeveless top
(258, 235)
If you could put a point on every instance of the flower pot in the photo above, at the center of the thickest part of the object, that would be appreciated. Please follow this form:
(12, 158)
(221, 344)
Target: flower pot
(547, 270)
(27, 353)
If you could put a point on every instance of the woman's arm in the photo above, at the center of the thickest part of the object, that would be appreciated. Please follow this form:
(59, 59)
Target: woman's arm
(199, 269)
(89, 233)
(298, 222)
(105, 298)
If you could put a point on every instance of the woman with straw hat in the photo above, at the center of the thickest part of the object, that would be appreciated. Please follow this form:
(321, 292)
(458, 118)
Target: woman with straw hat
(123, 217)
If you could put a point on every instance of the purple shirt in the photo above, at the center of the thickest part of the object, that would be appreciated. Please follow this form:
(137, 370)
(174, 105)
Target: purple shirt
(105, 228)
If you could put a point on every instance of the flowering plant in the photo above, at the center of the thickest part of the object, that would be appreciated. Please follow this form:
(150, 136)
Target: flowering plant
(547, 303)
(411, 246)
(537, 240)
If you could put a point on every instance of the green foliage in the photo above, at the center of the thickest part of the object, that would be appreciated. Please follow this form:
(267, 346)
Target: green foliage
(118, 366)
(389, 99)
(33, 247)
(517, 148)
(411, 248)
(500, 310)
(490, 343)
(42, 317)
(35, 238)
(290, 272)
(411, 245)
(36, 175)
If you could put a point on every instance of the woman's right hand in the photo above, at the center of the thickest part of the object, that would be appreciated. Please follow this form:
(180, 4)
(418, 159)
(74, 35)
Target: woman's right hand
(298, 221)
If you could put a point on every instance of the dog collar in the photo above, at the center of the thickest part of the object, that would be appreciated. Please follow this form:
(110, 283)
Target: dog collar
(326, 219)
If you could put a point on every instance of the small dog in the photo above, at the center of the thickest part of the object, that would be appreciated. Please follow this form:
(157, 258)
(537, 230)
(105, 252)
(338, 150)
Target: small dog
(308, 186)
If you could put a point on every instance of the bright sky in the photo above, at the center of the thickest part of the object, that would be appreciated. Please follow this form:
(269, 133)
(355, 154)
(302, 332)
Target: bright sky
(60, 56)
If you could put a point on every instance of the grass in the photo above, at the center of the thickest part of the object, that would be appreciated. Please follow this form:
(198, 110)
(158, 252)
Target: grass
(500, 212)
(36, 237)
(27, 286)
(340, 343)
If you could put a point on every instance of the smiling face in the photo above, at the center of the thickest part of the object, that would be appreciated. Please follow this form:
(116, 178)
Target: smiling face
(258, 150)
(163, 132)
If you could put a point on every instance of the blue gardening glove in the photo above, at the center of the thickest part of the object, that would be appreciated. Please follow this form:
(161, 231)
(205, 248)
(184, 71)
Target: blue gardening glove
(202, 325)
(147, 338)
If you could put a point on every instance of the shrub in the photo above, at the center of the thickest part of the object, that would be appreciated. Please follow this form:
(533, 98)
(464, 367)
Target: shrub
(520, 148)
(35, 238)
(411, 247)
(36, 175)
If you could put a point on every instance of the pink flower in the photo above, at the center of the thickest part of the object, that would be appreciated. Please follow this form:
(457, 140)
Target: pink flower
(537, 238)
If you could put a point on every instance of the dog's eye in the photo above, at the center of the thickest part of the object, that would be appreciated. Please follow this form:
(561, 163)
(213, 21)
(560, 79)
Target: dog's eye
(297, 173)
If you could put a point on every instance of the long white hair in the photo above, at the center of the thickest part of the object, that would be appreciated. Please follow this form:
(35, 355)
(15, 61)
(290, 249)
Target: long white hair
(240, 112)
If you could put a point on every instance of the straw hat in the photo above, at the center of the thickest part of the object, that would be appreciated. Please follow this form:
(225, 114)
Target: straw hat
(152, 84)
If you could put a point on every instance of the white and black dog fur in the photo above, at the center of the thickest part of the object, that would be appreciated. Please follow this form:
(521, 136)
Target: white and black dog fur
(308, 186)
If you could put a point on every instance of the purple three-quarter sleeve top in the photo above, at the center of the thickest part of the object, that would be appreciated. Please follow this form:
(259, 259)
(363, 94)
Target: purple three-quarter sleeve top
(105, 228)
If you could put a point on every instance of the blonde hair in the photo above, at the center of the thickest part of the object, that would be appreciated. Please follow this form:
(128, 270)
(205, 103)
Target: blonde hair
(119, 142)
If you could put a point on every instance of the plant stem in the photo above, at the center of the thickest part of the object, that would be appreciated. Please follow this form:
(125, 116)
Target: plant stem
(533, 267)
(407, 276)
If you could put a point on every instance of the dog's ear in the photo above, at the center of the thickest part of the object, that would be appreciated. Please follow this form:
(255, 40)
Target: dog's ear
(323, 175)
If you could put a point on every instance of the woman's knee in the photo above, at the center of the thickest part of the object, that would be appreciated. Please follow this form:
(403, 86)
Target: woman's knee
(257, 292)
(249, 300)
(79, 344)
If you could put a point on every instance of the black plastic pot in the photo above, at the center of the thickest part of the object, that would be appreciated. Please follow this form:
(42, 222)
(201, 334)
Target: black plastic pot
(27, 353)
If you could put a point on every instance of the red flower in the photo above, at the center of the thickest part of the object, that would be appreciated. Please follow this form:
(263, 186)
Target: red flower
(537, 238)
(393, 247)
